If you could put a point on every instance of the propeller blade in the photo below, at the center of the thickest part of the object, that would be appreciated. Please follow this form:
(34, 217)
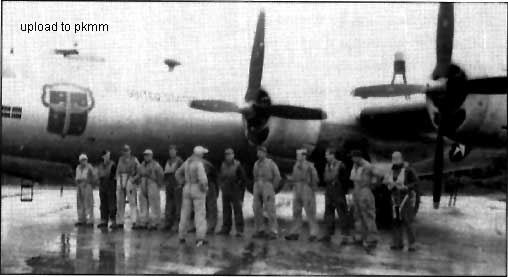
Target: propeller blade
(217, 106)
(493, 85)
(444, 40)
(438, 164)
(256, 60)
(297, 113)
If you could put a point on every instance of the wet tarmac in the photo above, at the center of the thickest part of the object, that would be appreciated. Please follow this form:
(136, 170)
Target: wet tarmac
(39, 237)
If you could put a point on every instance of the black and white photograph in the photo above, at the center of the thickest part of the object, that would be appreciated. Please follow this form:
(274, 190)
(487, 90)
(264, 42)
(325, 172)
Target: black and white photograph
(254, 138)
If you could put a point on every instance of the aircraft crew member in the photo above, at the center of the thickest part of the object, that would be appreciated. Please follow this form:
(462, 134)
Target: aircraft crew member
(85, 176)
(126, 175)
(151, 176)
(173, 189)
(305, 181)
(232, 182)
(193, 174)
(211, 199)
(266, 177)
(107, 189)
(364, 206)
(402, 181)
(335, 177)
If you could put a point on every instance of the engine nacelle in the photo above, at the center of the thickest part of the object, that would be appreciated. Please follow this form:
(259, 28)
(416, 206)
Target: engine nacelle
(285, 136)
(484, 123)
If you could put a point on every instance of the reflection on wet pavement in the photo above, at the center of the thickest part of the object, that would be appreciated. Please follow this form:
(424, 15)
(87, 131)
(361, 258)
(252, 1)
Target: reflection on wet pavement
(39, 237)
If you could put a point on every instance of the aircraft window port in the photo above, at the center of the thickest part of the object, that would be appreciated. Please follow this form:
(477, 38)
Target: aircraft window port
(27, 191)
(11, 112)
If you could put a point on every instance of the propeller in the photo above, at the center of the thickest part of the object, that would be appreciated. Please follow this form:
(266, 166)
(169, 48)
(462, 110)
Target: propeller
(259, 107)
(449, 99)
(256, 61)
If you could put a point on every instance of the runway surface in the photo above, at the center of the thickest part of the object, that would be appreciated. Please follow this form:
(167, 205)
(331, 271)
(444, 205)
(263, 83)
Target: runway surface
(40, 237)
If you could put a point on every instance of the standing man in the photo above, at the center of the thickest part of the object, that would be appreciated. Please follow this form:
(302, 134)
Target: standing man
(305, 181)
(85, 176)
(151, 176)
(126, 175)
(107, 189)
(335, 177)
(363, 201)
(193, 174)
(402, 181)
(232, 181)
(266, 177)
(173, 189)
(211, 199)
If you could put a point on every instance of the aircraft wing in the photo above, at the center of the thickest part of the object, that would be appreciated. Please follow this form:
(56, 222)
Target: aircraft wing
(38, 170)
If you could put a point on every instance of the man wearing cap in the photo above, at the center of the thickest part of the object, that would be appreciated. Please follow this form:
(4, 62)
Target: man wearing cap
(364, 205)
(151, 176)
(126, 175)
(107, 189)
(173, 189)
(85, 176)
(305, 181)
(402, 181)
(192, 173)
(266, 178)
(232, 181)
(336, 178)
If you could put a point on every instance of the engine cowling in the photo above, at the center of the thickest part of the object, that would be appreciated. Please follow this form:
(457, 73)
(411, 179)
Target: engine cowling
(481, 119)
(283, 136)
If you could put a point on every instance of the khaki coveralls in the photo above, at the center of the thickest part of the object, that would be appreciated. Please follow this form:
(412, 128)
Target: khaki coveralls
(125, 177)
(364, 210)
(193, 173)
(150, 176)
(305, 180)
(85, 176)
(266, 177)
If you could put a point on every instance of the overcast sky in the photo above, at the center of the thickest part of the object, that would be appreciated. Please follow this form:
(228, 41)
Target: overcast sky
(309, 47)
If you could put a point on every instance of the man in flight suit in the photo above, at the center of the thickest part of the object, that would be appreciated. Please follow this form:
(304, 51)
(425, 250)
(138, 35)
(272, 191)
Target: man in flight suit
(402, 181)
(305, 181)
(85, 176)
(266, 178)
(126, 175)
(232, 181)
(107, 189)
(150, 177)
(173, 189)
(335, 177)
(193, 174)
(364, 209)
(211, 199)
